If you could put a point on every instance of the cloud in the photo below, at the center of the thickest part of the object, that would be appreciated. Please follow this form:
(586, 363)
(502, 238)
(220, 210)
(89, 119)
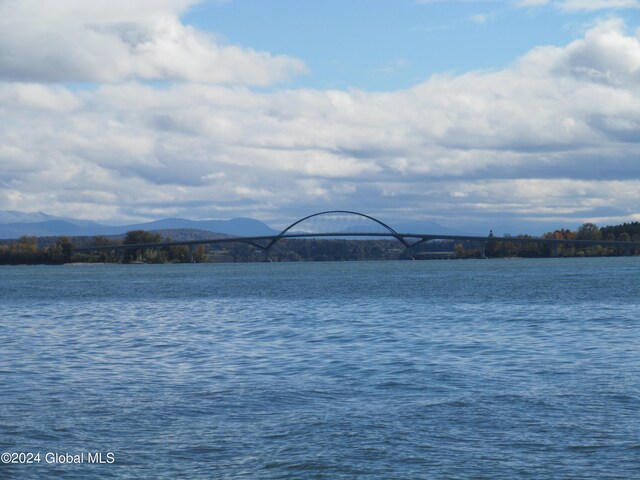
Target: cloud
(581, 5)
(532, 3)
(605, 56)
(573, 5)
(568, 5)
(480, 18)
(119, 40)
(554, 136)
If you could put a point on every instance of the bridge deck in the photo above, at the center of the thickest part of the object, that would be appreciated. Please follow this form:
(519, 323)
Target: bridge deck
(416, 237)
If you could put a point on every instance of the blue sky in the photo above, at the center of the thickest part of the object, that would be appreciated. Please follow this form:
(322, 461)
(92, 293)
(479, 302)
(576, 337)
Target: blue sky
(393, 44)
(515, 115)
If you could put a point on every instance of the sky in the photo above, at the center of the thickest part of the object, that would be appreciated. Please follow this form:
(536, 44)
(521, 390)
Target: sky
(520, 116)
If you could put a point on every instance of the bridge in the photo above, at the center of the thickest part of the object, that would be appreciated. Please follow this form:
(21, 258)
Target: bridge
(345, 223)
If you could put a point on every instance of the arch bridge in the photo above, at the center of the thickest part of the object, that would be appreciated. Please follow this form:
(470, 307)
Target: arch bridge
(337, 224)
(346, 223)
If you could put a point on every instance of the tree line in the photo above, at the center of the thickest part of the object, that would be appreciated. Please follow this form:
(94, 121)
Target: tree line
(628, 232)
(33, 250)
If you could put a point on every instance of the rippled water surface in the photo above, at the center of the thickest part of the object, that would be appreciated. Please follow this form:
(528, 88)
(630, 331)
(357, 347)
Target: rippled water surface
(385, 370)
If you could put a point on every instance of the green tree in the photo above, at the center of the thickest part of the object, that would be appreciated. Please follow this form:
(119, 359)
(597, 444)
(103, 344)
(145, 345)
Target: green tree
(624, 237)
(139, 237)
(62, 250)
(25, 244)
(105, 256)
(589, 231)
(200, 254)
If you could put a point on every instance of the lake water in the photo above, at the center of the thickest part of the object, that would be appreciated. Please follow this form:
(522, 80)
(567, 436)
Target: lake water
(495, 369)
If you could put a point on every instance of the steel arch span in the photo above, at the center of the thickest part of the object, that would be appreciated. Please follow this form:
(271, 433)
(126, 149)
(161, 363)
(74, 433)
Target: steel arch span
(295, 230)
(355, 224)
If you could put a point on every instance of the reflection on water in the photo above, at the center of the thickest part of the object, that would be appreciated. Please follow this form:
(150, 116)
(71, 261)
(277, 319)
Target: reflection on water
(451, 369)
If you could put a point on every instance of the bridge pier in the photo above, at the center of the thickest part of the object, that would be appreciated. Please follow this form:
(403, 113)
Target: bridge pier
(627, 250)
(191, 250)
(554, 249)
(483, 250)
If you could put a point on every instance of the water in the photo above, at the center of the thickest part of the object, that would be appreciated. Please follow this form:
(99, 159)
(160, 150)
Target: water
(382, 370)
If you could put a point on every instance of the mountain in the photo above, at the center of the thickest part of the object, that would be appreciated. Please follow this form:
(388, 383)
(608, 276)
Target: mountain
(243, 227)
(42, 229)
(430, 227)
(13, 216)
(14, 224)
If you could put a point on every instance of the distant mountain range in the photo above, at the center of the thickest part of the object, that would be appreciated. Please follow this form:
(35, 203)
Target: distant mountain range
(428, 227)
(14, 224)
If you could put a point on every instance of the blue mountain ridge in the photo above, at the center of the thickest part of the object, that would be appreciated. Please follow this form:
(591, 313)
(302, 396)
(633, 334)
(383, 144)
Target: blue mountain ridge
(42, 225)
(71, 227)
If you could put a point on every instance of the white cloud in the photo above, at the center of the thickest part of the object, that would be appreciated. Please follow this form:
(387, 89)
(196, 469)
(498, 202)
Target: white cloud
(556, 135)
(581, 5)
(573, 5)
(38, 97)
(480, 18)
(532, 3)
(116, 40)
(606, 55)
(568, 5)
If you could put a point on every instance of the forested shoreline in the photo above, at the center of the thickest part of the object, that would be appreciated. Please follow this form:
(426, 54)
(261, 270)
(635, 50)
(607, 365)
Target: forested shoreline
(59, 250)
